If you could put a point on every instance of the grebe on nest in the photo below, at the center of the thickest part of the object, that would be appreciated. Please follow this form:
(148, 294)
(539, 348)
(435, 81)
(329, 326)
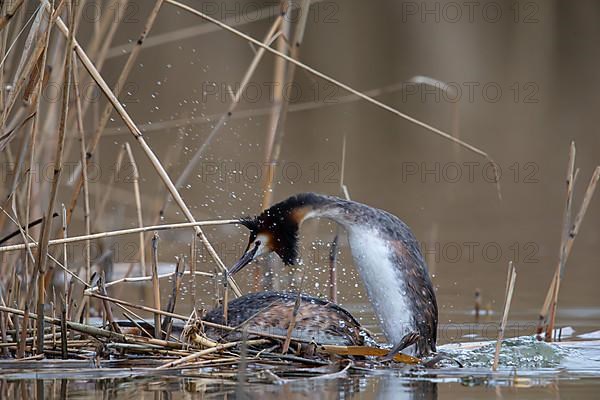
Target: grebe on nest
(317, 320)
(387, 257)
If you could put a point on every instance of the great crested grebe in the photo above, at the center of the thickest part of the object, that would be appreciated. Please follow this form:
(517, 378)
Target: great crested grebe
(317, 320)
(385, 252)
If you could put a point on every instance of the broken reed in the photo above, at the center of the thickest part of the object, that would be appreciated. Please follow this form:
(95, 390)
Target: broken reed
(570, 229)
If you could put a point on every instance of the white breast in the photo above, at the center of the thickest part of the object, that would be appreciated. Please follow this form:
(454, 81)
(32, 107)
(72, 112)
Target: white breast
(383, 280)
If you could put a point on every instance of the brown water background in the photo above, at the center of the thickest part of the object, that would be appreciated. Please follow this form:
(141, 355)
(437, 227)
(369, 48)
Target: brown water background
(527, 81)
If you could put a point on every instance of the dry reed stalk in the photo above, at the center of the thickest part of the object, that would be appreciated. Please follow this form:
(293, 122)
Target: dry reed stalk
(81, 307)
(510, 286)
(16, 173)
(138, 205)
(34, 134)
(341, 85)
(121, 81)
(276, 110)
(32, 51)
(279, 73)
(3, 319)
(86, 190)
(13, 287)
(63, 329)
(107, 234)
(548, 319)
(107, 309)
(18, 27)
(106, 22)
(98, 332)
(30, 243)
(147, 278)
(65, 255)
(26, 238)
(129, 312)
(19, 120)
(225, 300)
(53, 307)
(199, 29)
(332, 269)
(133, 321)
(42, 256)
(293, 317)
(560, 269)
(285, 76)
(334, 244)
(107, 196)
(137, 306)
(155, 285)
(23, 337)
(192, 163)
(156, 164)
(167, 323)
(10, 12)
(223, 346)
(110, 35)
(186, 318)
(567, 224)
(193, 272)
(343, 172)
(264, 111)
(292, 325)
(48, 339)
(105, 29)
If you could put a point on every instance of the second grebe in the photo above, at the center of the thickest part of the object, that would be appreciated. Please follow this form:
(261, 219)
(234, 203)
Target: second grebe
(317, 320)
(384, 250)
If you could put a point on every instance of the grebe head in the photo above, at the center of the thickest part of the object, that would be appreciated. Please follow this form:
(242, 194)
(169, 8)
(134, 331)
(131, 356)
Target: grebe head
(275, 230)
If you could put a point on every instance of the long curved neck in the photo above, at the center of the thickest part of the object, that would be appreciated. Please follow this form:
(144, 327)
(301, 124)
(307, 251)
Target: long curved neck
(389, 263)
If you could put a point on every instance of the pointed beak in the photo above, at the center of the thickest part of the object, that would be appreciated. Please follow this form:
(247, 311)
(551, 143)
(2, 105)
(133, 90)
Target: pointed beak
(244, 260)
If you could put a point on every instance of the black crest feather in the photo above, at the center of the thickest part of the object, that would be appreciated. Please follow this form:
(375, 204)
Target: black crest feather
(280, 222)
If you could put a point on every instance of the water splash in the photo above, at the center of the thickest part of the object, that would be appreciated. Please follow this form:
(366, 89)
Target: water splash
(520, 353)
